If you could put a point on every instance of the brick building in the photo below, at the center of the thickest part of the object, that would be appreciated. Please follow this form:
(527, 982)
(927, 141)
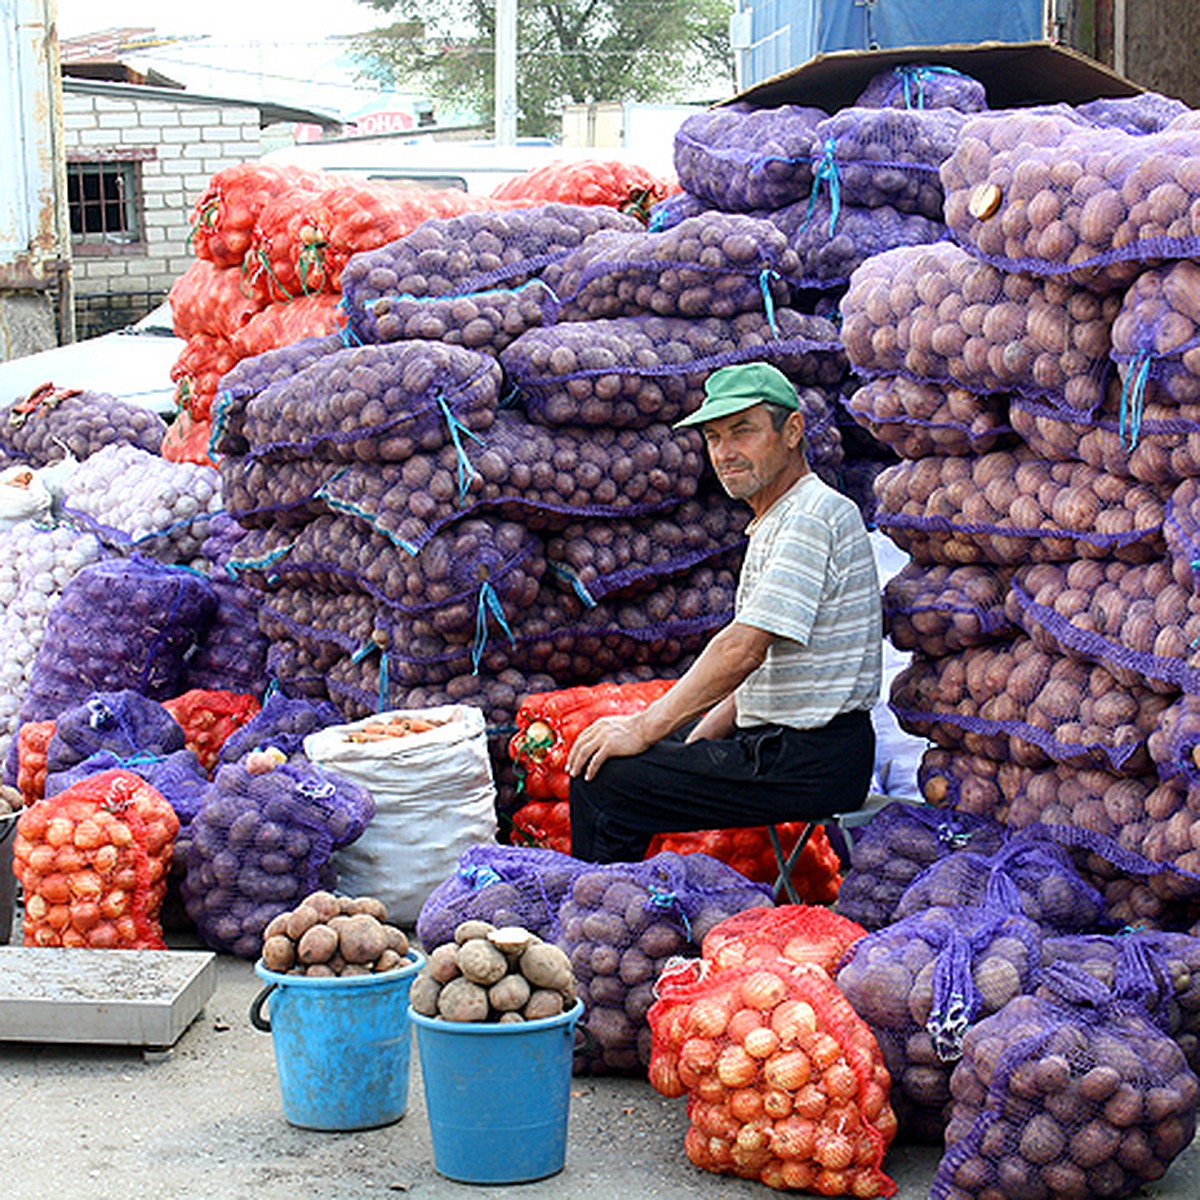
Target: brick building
(138, 156)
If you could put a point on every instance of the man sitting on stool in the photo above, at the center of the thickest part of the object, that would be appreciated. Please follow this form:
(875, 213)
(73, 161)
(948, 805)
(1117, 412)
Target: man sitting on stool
(772, 721)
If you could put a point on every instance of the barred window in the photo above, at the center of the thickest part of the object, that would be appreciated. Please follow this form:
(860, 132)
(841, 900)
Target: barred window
(104, 201)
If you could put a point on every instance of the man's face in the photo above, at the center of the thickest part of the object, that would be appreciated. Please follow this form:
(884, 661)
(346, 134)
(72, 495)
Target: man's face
(748, 453)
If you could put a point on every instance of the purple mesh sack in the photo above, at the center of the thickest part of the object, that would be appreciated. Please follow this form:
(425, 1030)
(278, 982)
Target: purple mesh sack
(922, 983)
(1157, 441)
(871, 157)
(506, 885)
(463, 255)
(739, 158)
(599, 557)
(1026, 874)
(232, 654)
(666, 214)
(895, 846)
(124, 723)
(1043, 194)
(471, 563)
(1175, 743)
(1009, 507)
(375, 404)
(715, 265)
(1132, 619)
(121, 623)
(275, 494)
(254, 375)
(1052, 1097)
(298, 671)
(629, 372)
(498, 695)
(833, 240)
(486, 322)
(281, 723)
(856, 479)
(51, 423)
(620, 925)
(1150, 112)
(261, 843)
(922, 86)
(337, 623)
(939, 315)
(941, 610)
(528, 471)
(178, 776)
(1181, 531)
(1016, 703)
(921, 419)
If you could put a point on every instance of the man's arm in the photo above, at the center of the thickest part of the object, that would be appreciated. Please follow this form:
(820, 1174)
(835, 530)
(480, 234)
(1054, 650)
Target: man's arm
(727, 659)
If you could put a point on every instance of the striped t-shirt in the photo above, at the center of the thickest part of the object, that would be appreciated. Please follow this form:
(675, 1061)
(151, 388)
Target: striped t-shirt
(809, 578)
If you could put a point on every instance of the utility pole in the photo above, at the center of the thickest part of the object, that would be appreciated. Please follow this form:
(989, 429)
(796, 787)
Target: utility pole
(506, 72)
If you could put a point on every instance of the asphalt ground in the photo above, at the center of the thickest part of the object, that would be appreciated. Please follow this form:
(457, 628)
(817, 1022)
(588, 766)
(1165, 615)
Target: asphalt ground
(205, 1120)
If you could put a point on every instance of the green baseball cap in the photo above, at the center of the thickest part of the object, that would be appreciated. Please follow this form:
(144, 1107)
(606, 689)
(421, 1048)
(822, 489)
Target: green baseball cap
(730, 389)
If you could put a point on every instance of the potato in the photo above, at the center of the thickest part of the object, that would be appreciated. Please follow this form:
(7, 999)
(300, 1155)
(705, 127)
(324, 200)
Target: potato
(361, 938)
(300, 920)
(509, 994)
(546, 967)
(466, 930)
(278, 953)
(442, 963)
(543, 1003)
(462, 1000)
(389, 960)
(423, 994)
(318, 944)
(481, 962)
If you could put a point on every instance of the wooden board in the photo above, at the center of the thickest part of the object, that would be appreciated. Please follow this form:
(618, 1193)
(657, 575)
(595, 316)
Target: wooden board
(102, 997)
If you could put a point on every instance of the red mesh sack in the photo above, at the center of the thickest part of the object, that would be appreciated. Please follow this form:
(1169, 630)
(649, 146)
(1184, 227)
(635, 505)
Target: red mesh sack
(545, 824)
(816, 875)
(93, 864)
(800, 933)
(785, 1082)
(33, 740)
(224, 216)
(211, 299)
(197, 372)
(280, 325)
(624, 186)
(208, 717)
(188, 440)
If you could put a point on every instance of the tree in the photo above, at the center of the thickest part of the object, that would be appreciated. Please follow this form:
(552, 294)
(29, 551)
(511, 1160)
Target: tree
(569, 51)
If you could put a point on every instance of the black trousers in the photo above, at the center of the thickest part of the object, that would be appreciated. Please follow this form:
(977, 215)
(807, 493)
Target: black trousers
(757, 776)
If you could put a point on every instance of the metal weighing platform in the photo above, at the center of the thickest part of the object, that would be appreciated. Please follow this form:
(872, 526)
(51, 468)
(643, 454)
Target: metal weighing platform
(102, 997)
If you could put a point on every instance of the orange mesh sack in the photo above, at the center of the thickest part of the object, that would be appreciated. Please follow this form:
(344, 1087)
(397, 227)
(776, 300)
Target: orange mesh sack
(208, 717)
(801, 933)
(32, 742)
(785, 1083)
(93, 863)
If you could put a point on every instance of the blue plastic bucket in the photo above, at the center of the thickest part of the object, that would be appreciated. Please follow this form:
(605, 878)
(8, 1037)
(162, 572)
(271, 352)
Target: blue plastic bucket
(497, 1095)
(342, 1046)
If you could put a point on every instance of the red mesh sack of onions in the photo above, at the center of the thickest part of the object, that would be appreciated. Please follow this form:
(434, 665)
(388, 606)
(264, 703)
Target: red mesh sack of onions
(714, 265)
(738, 157)
(1041, 193)
(921, 419)
(940, 315)
(225, 213)
(941, 610)
(1026, 875)
(1010, 507)
(281, 324)
(1073, 1092)
(601, 556)
(32, 742)
(535, 474)
(51, 423)
(873, 157)
(1017, 703)
(211, 300)
(275, 495)
(208, 717)
(815, 877)
(197, 372)
(923, 982)
(634, 371)
(462, 255)
(120, 623)
(1133, 619)
(627, 187)
(92, 862)
(503, 885)
(262, 840)
(621, 923)
(255, 374)
(923, 86)
(895, 846)
(785, 1082)
(799, 933)
(375, 403)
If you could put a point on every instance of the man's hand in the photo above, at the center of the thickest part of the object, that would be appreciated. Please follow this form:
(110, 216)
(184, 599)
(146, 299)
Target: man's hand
(605, 738)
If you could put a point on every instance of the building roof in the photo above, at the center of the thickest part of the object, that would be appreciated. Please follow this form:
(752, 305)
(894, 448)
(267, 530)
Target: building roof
(270, 112)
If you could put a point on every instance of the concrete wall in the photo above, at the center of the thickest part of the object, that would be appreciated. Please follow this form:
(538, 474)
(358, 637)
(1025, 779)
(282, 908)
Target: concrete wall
(1160, 44)
(180, 146)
